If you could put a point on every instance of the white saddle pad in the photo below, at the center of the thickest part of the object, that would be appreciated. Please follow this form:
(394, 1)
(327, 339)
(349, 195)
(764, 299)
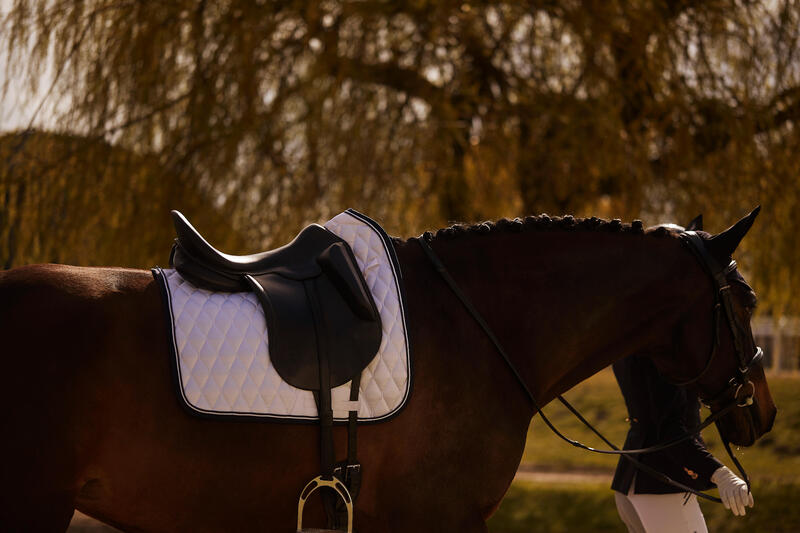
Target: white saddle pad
(220, 342)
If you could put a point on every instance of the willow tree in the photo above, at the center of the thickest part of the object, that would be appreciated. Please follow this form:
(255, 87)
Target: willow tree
(280, 113)
(68, 200)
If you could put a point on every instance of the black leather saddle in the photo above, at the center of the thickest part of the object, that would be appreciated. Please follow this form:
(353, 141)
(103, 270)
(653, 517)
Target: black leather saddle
(323, 325)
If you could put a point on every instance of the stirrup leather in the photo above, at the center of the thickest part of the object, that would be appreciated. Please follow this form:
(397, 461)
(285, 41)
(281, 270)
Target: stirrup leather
(334, 484)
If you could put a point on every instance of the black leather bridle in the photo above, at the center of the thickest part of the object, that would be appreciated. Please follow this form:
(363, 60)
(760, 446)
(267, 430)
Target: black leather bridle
(722, 305)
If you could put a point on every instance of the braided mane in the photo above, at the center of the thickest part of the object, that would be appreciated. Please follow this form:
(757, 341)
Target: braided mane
(542, 223)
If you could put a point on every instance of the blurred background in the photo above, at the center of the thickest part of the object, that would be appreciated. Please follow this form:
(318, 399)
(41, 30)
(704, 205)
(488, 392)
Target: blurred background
(256, 118)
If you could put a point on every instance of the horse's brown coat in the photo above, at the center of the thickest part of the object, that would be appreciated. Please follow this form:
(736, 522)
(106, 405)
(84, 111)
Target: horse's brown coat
(91, 419)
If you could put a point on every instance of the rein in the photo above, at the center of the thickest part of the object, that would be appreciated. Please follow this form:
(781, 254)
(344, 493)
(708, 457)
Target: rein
(739, 380)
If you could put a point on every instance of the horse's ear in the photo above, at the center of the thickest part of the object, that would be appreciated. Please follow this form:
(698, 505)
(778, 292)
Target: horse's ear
(696, 224)
(722, 245)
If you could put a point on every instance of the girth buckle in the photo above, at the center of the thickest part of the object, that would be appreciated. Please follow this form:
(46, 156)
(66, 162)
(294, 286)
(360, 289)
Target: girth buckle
(346, 472)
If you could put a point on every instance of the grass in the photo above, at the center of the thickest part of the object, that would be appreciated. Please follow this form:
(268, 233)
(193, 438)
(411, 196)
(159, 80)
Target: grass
(773, 464)
(555, 508)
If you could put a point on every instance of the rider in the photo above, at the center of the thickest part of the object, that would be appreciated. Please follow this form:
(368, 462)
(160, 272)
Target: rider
(659, 411)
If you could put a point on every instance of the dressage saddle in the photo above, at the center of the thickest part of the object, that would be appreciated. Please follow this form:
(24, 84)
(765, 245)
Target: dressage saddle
(323, 327)
(313, 295)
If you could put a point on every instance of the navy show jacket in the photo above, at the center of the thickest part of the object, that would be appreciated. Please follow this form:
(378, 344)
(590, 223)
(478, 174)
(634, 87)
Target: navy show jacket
(659, 411)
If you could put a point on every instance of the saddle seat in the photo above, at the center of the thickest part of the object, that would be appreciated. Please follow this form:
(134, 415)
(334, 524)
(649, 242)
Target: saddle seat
(322, 322)
(294, 260)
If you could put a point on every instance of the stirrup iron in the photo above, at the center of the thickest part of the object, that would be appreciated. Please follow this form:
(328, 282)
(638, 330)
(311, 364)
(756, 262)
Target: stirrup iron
(334, 484)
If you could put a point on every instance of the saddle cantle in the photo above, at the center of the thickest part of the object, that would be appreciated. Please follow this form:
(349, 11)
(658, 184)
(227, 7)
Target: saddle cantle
(315, 301)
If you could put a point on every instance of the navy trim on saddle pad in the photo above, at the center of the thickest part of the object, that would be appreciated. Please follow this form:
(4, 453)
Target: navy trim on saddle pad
(401, 291)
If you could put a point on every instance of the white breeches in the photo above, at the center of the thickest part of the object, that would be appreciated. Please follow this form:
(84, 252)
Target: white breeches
(660, 513)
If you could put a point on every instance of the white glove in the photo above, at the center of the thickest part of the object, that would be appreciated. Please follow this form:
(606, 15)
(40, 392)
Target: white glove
(732, 490)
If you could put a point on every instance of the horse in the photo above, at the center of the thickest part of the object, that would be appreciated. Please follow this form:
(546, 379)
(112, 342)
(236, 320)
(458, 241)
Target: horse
(92, 421)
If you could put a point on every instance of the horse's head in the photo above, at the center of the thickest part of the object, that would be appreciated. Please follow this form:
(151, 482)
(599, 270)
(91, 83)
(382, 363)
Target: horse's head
(712, 349)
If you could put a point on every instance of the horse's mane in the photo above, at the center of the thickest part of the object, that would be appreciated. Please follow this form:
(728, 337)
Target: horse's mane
(544, 223)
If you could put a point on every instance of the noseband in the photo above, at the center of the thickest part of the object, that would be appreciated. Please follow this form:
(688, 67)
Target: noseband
(739, 382)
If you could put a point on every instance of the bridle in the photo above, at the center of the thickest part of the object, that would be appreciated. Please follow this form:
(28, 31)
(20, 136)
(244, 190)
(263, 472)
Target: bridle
(722, 305)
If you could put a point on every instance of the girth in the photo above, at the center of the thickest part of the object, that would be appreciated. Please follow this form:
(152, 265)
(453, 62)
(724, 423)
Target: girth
(323, 325)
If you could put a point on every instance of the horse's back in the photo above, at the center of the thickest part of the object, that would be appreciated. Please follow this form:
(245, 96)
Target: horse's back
(55, 321)
(50, 314)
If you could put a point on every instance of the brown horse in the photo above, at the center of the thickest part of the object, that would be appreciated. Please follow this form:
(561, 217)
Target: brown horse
(92, 421)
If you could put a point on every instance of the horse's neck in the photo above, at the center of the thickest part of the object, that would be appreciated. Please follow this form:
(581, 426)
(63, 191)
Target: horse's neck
(566, 304)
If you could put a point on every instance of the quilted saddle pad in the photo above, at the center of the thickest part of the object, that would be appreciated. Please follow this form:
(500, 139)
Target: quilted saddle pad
(220, 343)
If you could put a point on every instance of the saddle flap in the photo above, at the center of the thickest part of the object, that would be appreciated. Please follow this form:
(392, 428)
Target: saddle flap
(305, 317)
